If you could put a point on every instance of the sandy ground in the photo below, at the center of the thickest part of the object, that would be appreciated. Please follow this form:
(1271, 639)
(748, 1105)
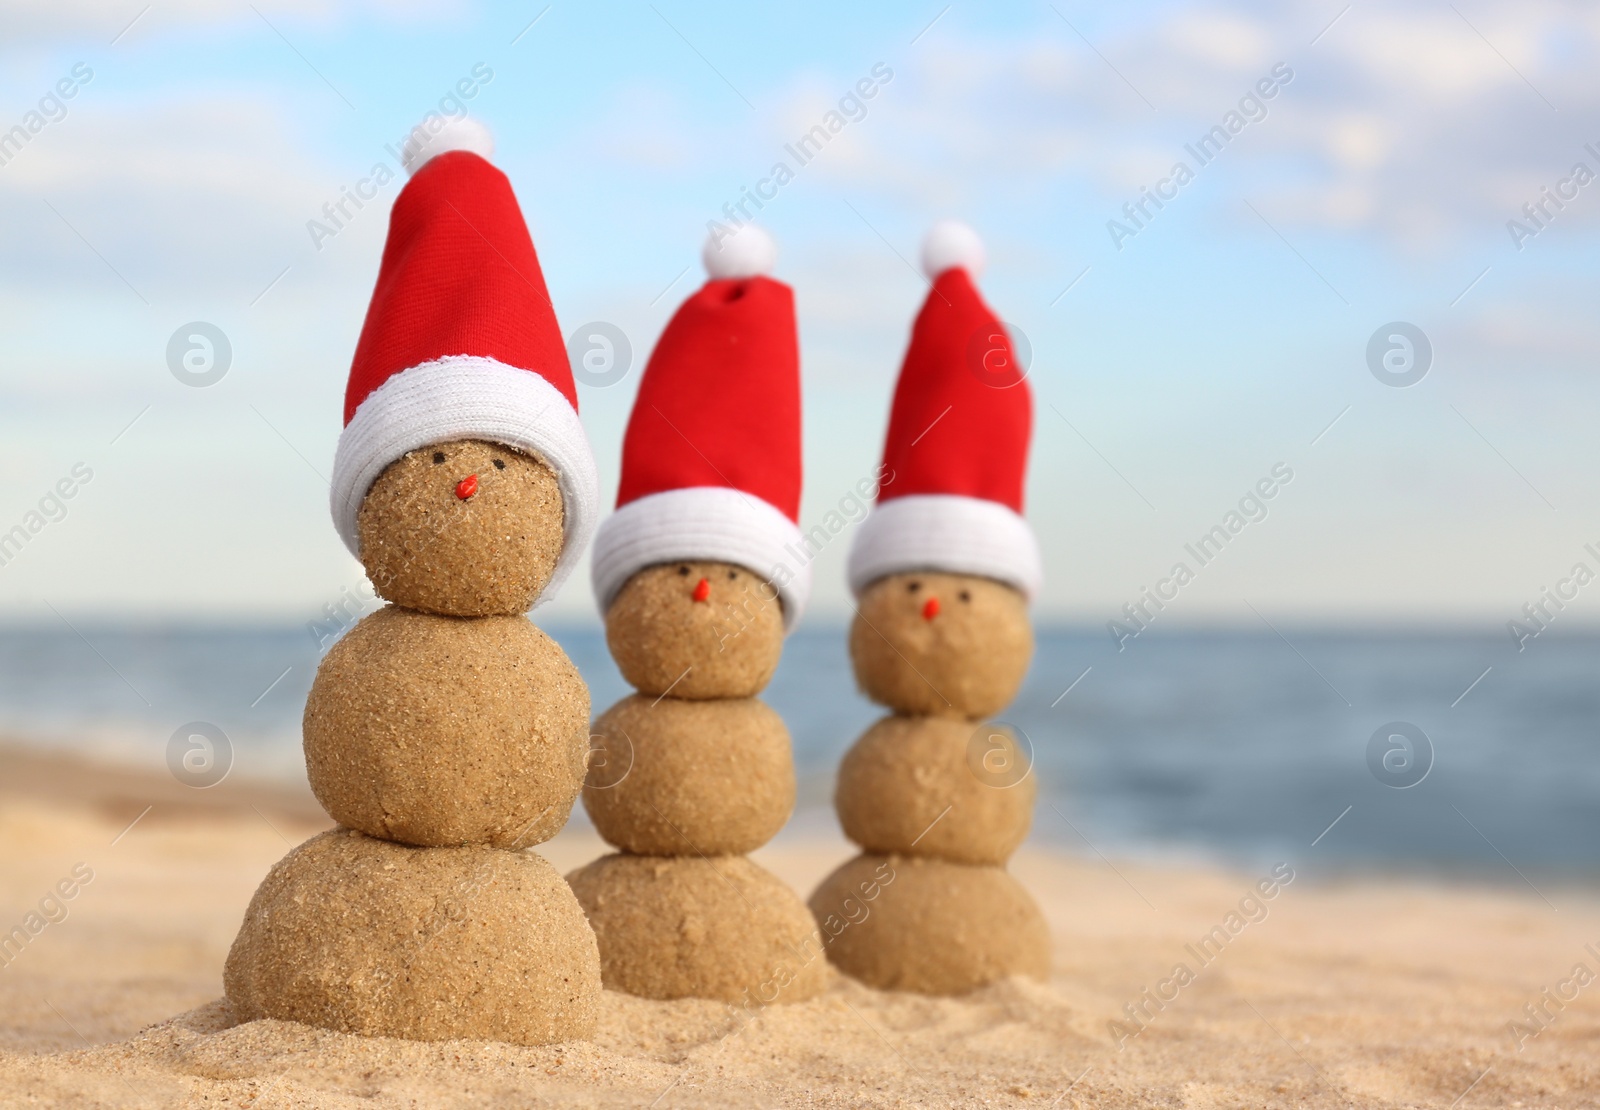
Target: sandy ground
(1366, 994)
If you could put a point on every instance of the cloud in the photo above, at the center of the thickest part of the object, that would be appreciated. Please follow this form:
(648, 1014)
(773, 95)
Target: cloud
(176, 194)
(1406, 123)
(27, 24)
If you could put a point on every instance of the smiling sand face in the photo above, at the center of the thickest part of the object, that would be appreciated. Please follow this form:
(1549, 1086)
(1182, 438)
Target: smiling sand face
(462, 529)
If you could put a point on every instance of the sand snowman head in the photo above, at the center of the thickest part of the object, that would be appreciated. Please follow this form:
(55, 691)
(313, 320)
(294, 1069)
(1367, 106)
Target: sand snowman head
(701, 628)
(940, 644)
(466, 528)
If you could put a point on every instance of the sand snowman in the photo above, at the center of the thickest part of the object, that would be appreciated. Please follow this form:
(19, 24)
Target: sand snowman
(445, 733)
(942, 570)
(697, 578)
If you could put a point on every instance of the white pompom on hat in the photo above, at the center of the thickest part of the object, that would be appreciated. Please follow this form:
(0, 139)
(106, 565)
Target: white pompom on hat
(745, 253)
(952, 243)
(460, 133)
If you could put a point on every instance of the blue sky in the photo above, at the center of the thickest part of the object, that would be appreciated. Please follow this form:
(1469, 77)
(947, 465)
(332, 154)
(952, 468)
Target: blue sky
(1172, 376)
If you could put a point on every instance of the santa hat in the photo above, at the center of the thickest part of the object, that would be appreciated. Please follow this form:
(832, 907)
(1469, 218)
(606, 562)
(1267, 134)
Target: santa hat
(460, 340)
(956, 455)
(711, 457)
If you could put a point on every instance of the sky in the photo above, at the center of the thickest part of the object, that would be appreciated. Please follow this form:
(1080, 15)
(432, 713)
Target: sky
(1181, 356)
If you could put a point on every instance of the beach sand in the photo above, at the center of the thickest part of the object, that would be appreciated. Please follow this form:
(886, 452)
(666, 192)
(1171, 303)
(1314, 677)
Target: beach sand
(1370, 993)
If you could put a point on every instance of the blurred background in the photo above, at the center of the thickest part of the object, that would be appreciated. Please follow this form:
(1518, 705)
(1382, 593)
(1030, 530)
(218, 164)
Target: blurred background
(1378, 277)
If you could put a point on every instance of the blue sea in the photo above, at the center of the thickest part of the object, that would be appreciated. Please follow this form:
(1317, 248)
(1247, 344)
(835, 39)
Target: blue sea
(1437, 751)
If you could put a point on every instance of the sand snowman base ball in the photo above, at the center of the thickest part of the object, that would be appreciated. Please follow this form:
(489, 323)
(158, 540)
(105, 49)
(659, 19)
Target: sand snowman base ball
(898, 923)
(363, 936)
(444, 731)
(698, 629)
(670, 777)
(720, 928)
(938, 787)
(949, 645)
(466, 529)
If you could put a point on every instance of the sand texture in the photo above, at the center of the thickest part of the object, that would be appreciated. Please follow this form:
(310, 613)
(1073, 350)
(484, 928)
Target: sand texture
(947, 645)
(672, 777)
(910, 924)
(489, 553)
(724, 644)
(1349, 993)
(440, 731)
(936, 787)
(716, 927)
(365, 936)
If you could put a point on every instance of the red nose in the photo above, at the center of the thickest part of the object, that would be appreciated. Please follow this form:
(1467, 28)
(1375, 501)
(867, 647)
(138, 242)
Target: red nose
(702, 589)
(930, 609)
(467, 486)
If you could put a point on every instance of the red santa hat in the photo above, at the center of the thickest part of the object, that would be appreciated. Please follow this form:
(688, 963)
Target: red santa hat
(956, 455)
(460, 340)
(711, 457)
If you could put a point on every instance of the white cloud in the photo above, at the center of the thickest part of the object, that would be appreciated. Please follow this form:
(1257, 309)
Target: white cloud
(1400, 122)
(34, 23)
(186, 194)
(1225, 41)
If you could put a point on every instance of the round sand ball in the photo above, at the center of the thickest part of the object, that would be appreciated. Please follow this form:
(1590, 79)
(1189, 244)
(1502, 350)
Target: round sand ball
(363, 936)
(717, 927)
(443, 731)
(669, 777)
(950, 645)
(938, 787)
(465, 529)
(698, 629)
(930, 926)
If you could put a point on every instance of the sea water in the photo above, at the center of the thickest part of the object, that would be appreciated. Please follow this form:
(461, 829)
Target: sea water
(1238, 746)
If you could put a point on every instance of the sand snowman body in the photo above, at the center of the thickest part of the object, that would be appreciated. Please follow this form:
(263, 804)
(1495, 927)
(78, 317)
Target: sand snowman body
(937, 802)
(684, 787)
(942, 569)
(444, 733)
(444, 744)
(692, 576)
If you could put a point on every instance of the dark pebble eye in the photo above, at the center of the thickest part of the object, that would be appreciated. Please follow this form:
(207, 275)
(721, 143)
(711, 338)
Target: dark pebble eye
(683, 571)
(964, 596)
(499, 464)
(913, 587)
(438, 457)
(732, 574)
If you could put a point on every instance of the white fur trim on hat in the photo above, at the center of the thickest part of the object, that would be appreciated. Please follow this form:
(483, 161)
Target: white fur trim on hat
(952, 243)
(747, 252)
(945, 532)
(468, 397)
(459, 133)
(702, 522)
